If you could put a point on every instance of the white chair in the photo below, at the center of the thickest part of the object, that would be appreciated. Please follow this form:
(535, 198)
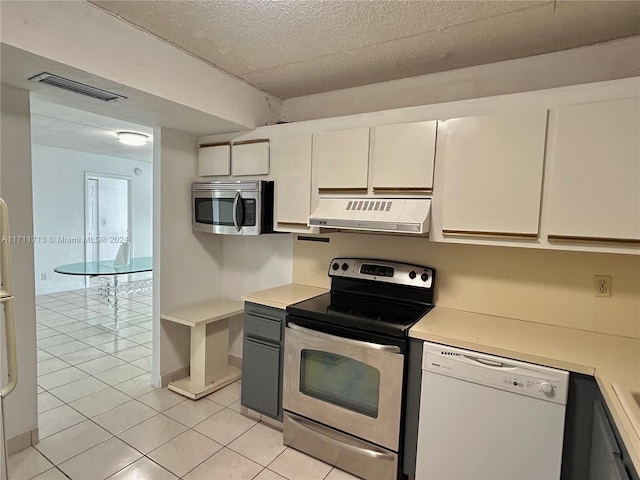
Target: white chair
(122, 257)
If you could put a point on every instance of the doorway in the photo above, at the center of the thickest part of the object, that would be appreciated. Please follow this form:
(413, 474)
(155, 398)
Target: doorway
(107, 215)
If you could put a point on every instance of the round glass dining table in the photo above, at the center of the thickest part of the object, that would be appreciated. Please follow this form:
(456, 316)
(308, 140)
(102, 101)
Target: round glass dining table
(106, 268)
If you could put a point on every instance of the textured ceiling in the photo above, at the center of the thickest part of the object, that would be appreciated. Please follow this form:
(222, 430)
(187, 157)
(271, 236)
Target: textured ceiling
(59, 126)
(291, 48)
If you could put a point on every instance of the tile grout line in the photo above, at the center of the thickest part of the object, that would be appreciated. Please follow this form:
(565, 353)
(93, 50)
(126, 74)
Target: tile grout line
(136, 398)
(88, 375)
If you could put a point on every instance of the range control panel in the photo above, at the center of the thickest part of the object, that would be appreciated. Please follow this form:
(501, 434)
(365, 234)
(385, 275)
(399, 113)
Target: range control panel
(382, 271)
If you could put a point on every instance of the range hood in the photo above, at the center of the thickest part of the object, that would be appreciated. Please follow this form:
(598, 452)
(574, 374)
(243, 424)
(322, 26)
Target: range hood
(390, 215)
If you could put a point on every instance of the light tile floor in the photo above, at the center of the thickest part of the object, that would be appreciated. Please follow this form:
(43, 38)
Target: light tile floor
(100, 418)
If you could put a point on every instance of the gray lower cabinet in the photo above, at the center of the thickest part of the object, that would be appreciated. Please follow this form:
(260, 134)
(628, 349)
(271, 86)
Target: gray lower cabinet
(262, 355)
(607, 459)
(412, 407)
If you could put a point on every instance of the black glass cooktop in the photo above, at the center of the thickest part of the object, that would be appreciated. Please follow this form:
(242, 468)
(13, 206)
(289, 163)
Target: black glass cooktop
(366, 313)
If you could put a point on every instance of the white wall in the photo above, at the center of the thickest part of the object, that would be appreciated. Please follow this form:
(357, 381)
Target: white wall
(542, 286)
(597, 63)
(15, 188)
(59, 209)
(190, 269)
(251, 264)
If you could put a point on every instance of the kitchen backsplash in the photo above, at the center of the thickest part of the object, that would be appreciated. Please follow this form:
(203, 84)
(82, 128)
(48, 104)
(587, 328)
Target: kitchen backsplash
(544, 286)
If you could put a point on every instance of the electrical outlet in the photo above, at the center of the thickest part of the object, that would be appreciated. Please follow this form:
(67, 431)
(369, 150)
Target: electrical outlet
(43, 276)
(602, 285)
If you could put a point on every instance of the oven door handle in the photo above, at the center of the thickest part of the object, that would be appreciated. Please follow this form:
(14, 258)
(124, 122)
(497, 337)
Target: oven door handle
(356, 343)
(326, 434)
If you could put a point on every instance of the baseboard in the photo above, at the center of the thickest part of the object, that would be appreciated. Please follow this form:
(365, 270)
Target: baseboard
(277, 424)
(156, 381)
(180, 373)
(177, 374)
(253, 415)
(22, 440)
(235, 361)
(247, 412)
(46, 290)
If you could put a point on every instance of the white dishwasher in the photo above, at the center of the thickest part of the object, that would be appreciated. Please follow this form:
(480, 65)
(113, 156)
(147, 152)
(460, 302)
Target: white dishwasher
(486, 417)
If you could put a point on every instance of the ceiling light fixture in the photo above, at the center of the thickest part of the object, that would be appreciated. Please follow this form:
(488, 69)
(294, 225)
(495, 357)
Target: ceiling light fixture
(132, 138)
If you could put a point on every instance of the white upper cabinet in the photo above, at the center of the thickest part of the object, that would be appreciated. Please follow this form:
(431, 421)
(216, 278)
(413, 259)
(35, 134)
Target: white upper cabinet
(402, 157)
(291, 163)
(595, 172)
(214, 160)
(250, 158)
(493, 166)
(342, 158)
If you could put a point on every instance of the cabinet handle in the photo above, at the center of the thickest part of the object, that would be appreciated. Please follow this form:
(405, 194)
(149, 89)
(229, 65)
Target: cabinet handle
(219, 144)
(576, 238)
(402, 190)
(262, 317)
(472, 233)
(341, 190)
(247, 142)
(262, 343)
(293, 224)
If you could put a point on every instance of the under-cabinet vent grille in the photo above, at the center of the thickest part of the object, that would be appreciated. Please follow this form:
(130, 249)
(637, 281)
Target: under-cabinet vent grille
(374, 205)
(76, 87)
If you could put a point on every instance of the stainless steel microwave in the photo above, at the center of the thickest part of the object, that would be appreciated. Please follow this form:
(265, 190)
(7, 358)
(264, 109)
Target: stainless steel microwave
(232, 208)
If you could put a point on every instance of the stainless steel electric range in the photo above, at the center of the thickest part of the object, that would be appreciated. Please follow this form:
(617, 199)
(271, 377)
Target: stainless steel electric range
(345, 364)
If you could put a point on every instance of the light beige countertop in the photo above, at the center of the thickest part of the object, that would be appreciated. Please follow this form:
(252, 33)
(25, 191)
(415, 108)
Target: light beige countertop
(206, 312)
(611, 359)
(283, 296)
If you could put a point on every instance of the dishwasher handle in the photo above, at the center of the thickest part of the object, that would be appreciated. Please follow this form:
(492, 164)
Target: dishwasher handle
(487, 362)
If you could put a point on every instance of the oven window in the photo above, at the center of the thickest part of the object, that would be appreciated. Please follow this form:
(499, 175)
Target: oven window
(340, 380)
(214, 211)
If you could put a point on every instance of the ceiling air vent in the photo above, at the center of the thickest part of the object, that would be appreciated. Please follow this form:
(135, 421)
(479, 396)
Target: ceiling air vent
(77, 87)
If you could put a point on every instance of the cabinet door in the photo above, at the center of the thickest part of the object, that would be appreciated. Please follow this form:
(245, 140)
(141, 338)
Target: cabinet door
(263, 322)
(595, 172)
(214, 160)
(402, 157)
(291, 160)
(606, 461)
(342, 158)
(493, 174)
(250, 158)
(260, 390)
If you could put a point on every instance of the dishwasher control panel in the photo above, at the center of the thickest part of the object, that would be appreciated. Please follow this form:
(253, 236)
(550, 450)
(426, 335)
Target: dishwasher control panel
(542, 387)
(523, 378)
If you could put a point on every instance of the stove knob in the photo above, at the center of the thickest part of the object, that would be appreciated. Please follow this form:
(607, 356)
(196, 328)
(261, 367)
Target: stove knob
(335, 266)
(546, 388)
(412, 274)
(424, 277)
(345, 267)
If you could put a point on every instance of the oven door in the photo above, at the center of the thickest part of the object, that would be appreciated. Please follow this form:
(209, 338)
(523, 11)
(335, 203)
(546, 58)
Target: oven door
(350, 385)
(226, 212)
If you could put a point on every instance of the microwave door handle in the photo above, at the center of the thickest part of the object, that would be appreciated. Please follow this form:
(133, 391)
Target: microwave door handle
(236, 201)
